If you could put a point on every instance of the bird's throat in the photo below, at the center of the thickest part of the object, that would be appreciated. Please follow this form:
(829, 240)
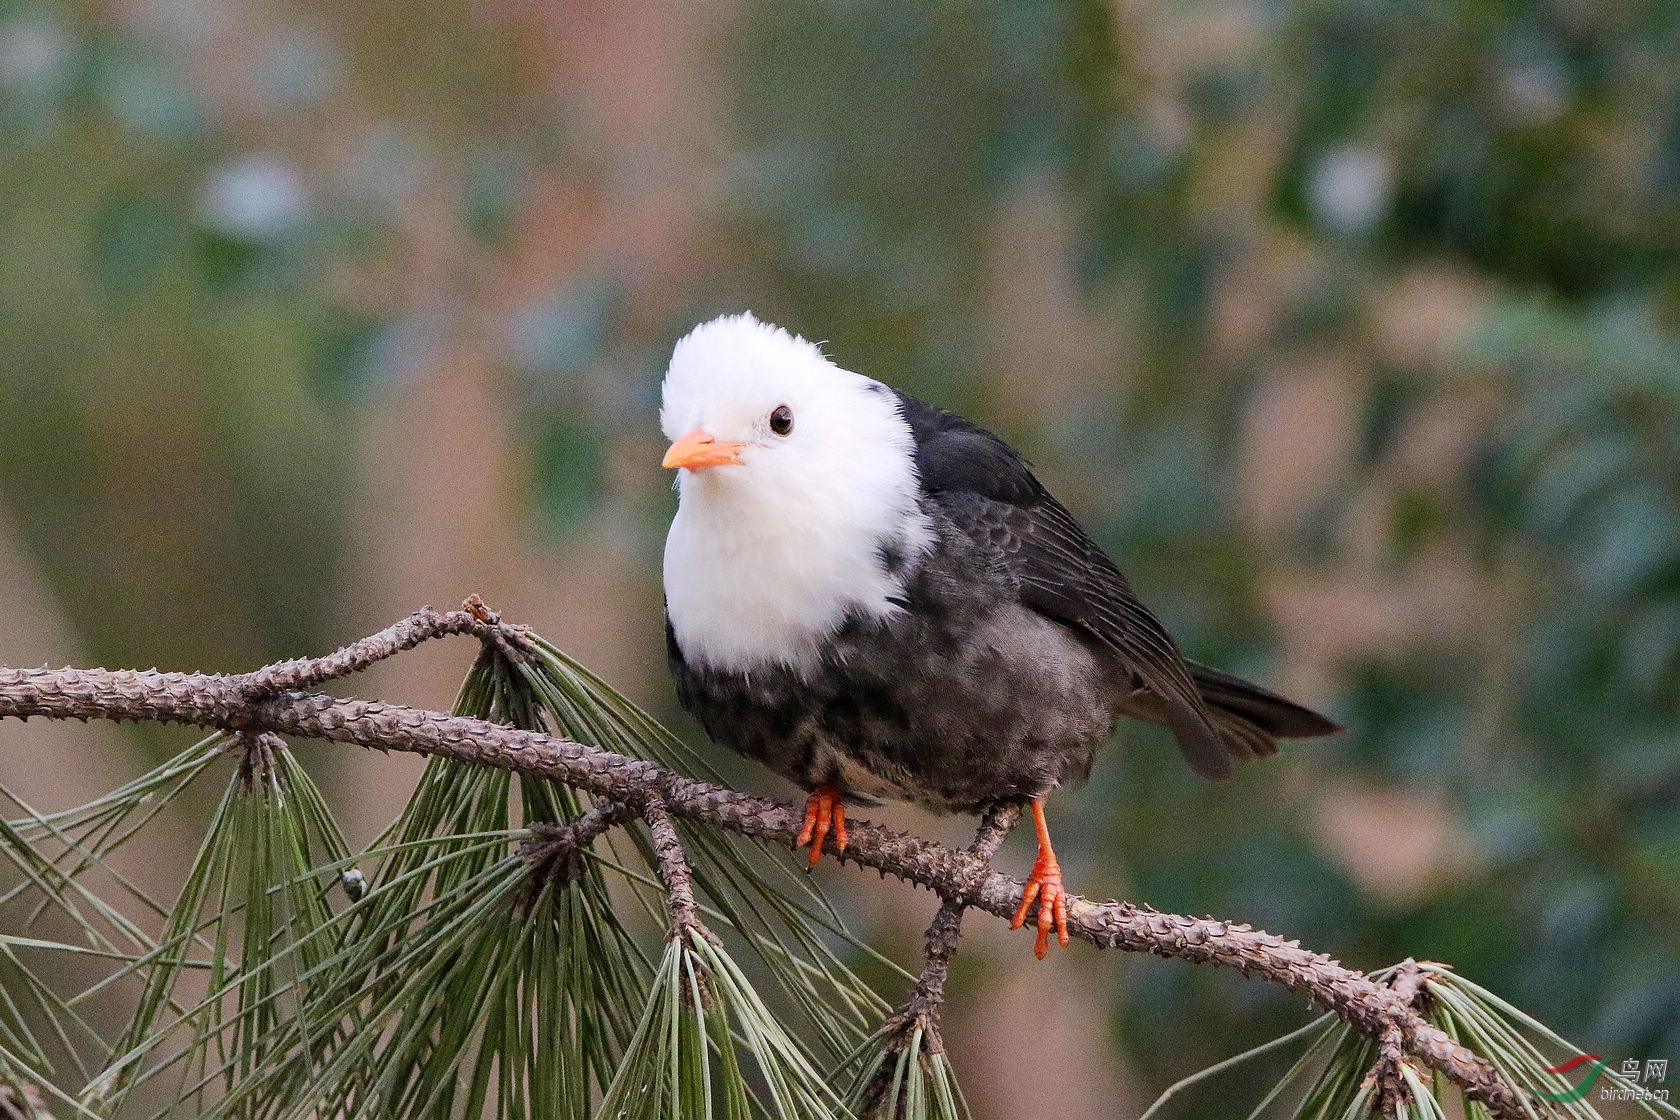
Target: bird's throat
(744, 590)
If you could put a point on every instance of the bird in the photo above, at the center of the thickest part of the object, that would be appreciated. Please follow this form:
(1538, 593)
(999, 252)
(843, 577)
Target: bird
(879, 600)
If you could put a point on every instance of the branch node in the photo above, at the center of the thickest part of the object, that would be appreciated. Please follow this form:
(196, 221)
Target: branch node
(480, 611)
(257, 757)
(1388, 1073)
(511, 640)
(557, 849)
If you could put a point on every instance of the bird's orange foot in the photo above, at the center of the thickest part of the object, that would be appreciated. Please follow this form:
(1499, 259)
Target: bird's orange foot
(1044, 884)
(823, 810)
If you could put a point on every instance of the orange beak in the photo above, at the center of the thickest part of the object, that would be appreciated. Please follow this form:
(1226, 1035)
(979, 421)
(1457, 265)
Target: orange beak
(699, 449)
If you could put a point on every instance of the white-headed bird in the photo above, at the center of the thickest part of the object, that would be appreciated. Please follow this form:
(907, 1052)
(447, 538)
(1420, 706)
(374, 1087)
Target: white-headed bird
(877, 599)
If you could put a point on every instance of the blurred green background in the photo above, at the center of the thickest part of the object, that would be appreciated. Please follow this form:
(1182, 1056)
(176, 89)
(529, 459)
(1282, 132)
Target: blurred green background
(1349, 328)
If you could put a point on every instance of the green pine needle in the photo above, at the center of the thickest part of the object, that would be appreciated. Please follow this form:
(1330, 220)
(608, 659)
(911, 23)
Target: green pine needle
(463, 979)
(255, 893)
(685, 1061)
(1507, 1038)
(1320, 1027)
(784, 921)
(64, 876)
(1510, 1039)
(900, 1078)
(53, 853)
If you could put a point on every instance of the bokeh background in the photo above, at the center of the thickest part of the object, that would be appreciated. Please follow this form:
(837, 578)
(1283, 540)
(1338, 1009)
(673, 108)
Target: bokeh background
(1348, 327)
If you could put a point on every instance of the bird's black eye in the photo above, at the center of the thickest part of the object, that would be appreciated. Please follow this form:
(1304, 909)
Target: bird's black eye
(781, 420)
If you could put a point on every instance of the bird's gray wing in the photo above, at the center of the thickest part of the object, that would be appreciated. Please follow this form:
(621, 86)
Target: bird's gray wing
(990, 494)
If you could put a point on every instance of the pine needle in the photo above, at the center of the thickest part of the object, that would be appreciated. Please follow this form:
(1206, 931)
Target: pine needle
(1323, 1025)
(254, 891)
(900, 1077)
(684, 1060)
(1345, 1087)
(786, 923)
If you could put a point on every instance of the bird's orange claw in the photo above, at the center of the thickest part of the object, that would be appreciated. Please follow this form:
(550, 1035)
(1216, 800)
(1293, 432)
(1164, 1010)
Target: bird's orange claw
(823, 810)
(1044, 884)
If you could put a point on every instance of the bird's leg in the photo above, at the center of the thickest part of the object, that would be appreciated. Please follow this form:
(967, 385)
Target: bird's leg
(1044, 884)
(823, 809)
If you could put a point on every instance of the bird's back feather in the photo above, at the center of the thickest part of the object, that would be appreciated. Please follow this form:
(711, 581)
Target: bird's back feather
(989, 490)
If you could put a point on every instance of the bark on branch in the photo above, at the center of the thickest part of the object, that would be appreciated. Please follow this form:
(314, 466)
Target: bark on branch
(673, 870)
(558, 848)
(267, 701)
(927, 999)
(1407, 984)
(940, 945)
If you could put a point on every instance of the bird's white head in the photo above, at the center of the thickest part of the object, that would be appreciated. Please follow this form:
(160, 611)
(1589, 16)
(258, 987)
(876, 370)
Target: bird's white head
(798, 498)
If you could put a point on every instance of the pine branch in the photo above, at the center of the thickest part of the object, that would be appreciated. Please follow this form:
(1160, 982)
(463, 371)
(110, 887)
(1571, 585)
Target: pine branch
(940, 944)
(418, 628)
(1407, 984)
(916, 1024)
(249, 703)
(557, 847)
(673, 869)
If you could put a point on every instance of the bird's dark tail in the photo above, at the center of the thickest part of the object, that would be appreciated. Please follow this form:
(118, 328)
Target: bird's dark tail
(1250, 719)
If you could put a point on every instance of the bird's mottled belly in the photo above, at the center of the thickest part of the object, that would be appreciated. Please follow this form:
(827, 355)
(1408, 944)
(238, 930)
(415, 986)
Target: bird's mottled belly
(952, 705)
